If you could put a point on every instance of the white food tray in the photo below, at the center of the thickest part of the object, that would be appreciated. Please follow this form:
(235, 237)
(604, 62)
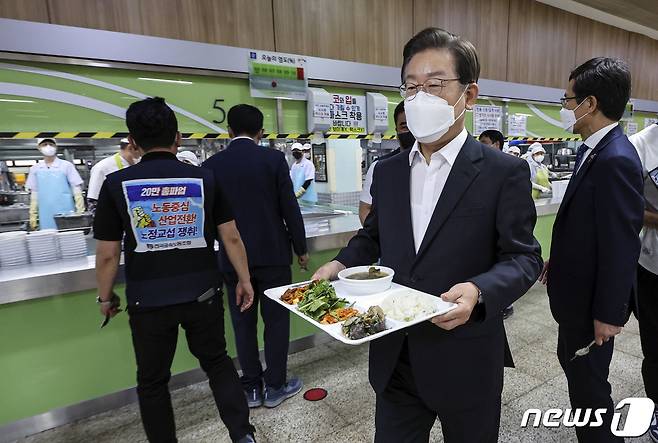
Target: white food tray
(362, 303)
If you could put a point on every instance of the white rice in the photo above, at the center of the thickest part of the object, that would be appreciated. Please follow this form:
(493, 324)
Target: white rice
(407, 306)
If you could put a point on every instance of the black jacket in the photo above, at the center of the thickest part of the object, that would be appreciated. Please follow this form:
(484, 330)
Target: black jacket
(595, 246)
(481, 231)
(257, 183)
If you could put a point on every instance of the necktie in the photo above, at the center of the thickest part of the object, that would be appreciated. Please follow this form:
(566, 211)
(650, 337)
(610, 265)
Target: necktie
(579, 156)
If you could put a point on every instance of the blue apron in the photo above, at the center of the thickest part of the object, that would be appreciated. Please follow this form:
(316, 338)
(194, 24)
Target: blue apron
(298, 180)
(55, 196)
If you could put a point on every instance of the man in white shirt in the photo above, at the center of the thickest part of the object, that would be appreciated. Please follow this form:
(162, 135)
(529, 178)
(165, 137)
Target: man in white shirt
(646, 143)
(126, 156)
(302, 174)
(54, 185)
(406, 139)
(453, 218)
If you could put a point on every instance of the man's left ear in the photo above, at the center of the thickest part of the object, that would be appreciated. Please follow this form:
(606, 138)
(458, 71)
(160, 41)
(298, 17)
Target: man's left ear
(178, 139)
(593, 103)
(472, 92)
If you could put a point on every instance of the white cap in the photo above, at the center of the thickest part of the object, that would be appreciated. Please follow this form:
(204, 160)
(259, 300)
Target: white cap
(535, 148)
(188, 157)
(514, 149)
(48, 139)
(125, 141)
(297, 146)
(306, 147)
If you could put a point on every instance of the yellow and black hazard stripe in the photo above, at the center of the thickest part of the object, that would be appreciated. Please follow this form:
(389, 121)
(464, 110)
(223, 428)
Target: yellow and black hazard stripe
(186, 135)
(26, 135)
(545, 139)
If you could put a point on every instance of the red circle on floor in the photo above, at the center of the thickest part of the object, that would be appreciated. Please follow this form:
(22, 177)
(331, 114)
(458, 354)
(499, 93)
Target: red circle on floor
(315, 394)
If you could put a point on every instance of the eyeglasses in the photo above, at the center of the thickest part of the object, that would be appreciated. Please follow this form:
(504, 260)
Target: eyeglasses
(432, 86)
(565, 99)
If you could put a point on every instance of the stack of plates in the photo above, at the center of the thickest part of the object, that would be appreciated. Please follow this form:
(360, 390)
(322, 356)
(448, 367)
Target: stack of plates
(72, 244)
(13, 249)
(43, 246)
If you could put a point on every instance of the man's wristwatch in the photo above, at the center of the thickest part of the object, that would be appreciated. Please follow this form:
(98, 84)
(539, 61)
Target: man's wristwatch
(100, 301)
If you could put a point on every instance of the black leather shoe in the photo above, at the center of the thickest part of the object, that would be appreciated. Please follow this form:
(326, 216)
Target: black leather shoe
(507, 312)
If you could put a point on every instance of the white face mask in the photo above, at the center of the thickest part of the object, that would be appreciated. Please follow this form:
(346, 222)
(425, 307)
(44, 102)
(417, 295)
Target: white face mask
(429, 117)
(568, 117)
(48, 150)
(539, 158)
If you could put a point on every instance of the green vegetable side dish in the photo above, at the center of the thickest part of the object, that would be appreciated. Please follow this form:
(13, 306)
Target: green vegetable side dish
(320, 299)
(372, 274)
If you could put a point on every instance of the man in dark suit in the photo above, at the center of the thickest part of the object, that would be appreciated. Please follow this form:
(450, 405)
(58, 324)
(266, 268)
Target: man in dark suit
(595, 246)
(258, 186)
(454, 218)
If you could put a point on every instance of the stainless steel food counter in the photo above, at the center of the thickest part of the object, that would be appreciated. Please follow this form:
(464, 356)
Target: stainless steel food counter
(326, 229)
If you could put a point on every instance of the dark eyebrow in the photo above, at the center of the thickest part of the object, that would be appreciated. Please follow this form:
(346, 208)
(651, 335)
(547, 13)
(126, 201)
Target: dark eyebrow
(434, 74)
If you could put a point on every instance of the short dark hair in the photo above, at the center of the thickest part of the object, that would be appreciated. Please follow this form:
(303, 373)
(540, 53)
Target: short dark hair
(152, 123)
(463, 51)
(399, 109)
(494, 136)
(607, 79)
(245, 119)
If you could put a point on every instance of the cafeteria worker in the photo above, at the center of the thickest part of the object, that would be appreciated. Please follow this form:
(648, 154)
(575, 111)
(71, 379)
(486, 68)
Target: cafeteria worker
(302, 174)
(54, 185)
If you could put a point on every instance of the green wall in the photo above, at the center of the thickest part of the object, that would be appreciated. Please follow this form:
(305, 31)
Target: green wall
(196, 94)
(53, 353)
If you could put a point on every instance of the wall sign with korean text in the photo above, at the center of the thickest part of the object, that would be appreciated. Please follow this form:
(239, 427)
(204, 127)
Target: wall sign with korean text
(276, 75)
(348, 114)
(487, 117)
(166, 213)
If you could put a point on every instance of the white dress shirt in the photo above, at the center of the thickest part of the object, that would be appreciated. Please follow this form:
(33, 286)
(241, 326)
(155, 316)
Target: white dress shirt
(594, 140)
(427, 182)
(366, 197)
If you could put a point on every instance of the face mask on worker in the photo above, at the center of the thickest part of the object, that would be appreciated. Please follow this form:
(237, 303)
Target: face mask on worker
(539, 158)
(406, 139)
(48, 150)
(298, 155)
(569, 119)
(430, 117)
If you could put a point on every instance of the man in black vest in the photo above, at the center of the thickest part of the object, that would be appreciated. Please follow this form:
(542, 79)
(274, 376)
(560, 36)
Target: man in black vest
(168, 215)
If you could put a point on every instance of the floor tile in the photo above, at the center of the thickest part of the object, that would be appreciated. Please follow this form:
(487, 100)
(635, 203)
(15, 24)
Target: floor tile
(347, 413)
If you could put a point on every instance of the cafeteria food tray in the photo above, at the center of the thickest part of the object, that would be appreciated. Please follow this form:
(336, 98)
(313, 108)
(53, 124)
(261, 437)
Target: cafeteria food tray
(362, 303)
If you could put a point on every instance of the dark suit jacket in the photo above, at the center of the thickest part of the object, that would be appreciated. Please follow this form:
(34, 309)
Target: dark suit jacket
(595, 245)
(257, 183)
(481, 231)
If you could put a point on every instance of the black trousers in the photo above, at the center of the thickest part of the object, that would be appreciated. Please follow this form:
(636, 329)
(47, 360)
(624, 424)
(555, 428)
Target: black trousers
(277, 328)
(647, 283)
(402, 417)
(587, 378)
(155, 334)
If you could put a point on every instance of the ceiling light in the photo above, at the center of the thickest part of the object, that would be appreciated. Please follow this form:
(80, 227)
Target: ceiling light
(11, 100)
(164, 80)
